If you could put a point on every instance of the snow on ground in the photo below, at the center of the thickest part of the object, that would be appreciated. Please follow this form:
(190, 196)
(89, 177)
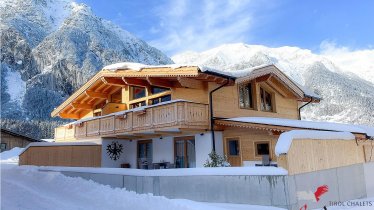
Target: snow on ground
(16, 86)
(24, 187)
(10, 156)
(27, 188)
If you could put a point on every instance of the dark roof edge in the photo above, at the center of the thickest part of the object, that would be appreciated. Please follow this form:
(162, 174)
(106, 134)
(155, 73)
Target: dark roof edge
(19, 135)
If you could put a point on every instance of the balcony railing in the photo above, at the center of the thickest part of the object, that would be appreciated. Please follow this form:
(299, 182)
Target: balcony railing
(173, 114)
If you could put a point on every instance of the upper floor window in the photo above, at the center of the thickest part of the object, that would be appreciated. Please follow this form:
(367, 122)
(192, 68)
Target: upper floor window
(137, 92)
(245, 96)
(266, 101)
(155, 90)
(116, 97)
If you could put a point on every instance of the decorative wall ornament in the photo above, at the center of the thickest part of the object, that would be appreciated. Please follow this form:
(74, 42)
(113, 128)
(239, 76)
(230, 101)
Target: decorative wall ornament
(114, 150)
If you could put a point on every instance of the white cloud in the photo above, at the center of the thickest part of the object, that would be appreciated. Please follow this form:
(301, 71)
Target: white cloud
(200, 25)
(358, 62)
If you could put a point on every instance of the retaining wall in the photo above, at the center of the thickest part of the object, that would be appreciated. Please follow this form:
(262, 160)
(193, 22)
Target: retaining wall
(292, 192)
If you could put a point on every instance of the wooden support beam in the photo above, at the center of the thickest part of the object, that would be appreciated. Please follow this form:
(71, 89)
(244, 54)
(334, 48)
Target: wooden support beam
(81, 106)
(202, 77)
(263, 78)
(220, 80)
(99, 87)
(159, 82)
(147, 134)
(69, 116)
(95, 94)
(135, 82)
(190, 83)
(168, 132)
(278, 89)
(113, 81)
(105, 90)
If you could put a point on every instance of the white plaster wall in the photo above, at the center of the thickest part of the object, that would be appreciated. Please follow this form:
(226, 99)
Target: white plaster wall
(128, 155)
(203, 146)
(163, 149)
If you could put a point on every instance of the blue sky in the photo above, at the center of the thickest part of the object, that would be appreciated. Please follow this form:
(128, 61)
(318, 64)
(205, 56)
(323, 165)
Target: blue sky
(175, 26)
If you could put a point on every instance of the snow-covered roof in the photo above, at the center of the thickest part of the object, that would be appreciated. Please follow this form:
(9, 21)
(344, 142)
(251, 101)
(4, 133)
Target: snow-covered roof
(285, 139)
(140, 66)
(238, 74)
(219, 171)
(328, 126)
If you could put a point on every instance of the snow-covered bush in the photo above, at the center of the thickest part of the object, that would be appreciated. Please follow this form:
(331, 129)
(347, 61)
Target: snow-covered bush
(216, 160)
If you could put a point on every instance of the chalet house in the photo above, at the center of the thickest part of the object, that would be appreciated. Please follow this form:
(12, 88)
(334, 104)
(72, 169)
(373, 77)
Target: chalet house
(138, 116)
(10, 139)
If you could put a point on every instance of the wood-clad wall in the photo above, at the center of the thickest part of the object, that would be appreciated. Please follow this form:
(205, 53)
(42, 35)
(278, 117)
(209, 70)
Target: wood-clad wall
(12, 141)
(306, 155)
(226, 101)
(247, 138)
(226, 104)
(75, 156)
(189, 94)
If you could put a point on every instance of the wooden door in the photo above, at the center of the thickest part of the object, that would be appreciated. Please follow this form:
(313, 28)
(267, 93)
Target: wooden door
(233, 151)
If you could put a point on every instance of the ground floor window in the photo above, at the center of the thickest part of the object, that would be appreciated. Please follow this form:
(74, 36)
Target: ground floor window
(144, 154)
(262, 148)
(185, 155)
(3, 146)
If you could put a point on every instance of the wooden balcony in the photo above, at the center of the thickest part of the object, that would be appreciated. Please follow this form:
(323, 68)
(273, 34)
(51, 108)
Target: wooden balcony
(174, 116)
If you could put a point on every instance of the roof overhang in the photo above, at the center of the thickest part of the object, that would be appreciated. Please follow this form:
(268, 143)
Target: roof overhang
(106, 82)
(278, 128)
(273, 75)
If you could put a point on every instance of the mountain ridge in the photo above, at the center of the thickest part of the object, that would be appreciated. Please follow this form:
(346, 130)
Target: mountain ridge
(347, 98)
(49, 49)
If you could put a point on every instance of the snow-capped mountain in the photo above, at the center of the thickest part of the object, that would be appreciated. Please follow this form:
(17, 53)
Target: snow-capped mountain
(49, 48)
(346, 96)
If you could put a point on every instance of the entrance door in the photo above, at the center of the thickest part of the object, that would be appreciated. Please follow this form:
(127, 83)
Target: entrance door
(185, 155)
(144, 154)
(233, 151)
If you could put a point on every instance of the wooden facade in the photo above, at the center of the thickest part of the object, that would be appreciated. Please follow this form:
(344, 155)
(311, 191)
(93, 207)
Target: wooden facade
(10, 139)
(247, 141)
(306, 155)
(226, 103)
(73, 156)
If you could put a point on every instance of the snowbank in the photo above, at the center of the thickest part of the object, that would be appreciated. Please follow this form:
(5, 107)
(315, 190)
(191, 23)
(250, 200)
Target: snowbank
(306, 124)
(11, 155)
(27, 188)
(224, 171)
(285, 139)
